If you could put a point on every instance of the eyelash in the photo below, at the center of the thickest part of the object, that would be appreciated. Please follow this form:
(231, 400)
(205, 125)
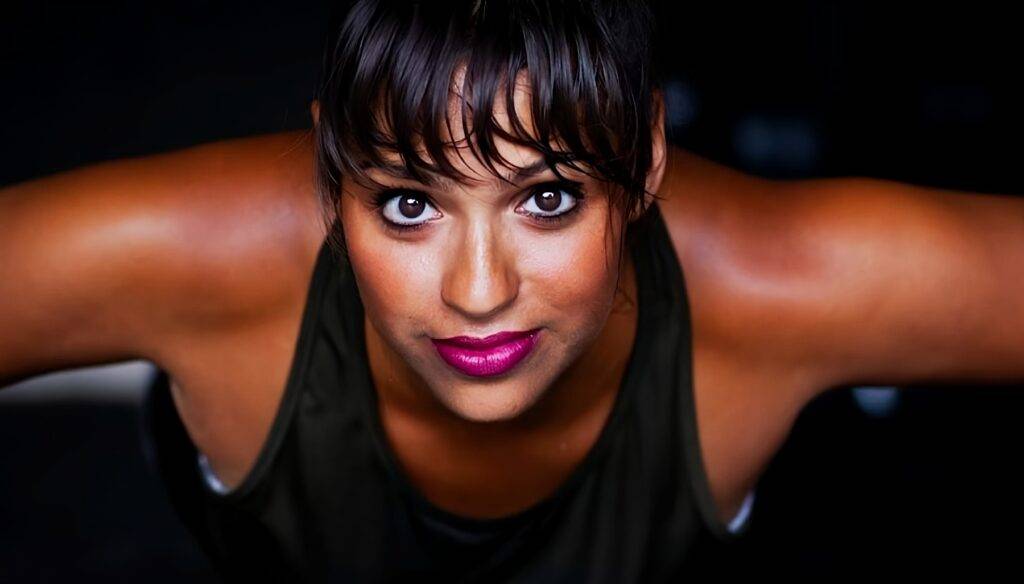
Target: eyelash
(571, 187)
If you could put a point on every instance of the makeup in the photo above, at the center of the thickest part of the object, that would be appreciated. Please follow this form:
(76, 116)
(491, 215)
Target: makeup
(488, 356)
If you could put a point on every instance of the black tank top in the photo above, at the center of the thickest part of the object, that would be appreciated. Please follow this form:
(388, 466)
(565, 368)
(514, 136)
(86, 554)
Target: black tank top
(327, 499)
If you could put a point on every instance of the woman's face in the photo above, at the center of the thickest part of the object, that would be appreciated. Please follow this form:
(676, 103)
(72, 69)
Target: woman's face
(439, 261)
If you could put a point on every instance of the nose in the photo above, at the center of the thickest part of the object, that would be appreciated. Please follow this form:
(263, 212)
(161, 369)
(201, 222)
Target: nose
(480, 281)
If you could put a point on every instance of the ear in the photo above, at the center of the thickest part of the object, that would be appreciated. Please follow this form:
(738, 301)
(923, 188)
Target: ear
(314, 110)
(658, 148)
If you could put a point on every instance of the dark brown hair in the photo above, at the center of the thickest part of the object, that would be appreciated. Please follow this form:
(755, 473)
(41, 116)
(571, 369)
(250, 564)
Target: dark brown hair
(387, 78)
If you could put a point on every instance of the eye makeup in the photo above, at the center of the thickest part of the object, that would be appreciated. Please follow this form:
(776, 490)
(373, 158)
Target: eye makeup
(573, 189)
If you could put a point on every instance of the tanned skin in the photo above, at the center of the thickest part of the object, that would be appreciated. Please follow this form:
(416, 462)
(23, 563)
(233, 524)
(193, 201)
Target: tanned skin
(199, 260)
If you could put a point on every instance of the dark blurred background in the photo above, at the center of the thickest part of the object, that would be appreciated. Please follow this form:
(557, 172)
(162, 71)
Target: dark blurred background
(915, 481)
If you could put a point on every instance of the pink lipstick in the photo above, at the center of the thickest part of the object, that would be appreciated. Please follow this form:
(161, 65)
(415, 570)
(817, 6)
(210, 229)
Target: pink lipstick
(487, 356)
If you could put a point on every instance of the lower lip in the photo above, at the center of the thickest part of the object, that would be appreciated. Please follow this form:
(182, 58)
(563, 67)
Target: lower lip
(487, 362)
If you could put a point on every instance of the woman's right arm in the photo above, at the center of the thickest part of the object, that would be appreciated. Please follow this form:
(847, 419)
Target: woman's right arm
(131, 258)
(77, 255)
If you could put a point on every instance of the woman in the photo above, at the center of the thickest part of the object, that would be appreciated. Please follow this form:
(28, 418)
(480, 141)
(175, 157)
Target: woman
(325, 418)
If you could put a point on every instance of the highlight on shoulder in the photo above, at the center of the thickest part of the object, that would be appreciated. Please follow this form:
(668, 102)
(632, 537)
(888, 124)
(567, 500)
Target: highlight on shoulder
(104, 262)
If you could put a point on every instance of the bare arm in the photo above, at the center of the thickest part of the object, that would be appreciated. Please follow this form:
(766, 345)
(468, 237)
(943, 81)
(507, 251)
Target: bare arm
(109, 262)
(72, 273)
(913, 284)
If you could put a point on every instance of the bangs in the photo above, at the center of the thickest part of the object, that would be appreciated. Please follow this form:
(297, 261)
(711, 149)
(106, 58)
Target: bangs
(400, 71)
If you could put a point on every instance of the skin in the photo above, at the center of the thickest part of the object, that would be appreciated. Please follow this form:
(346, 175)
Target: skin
(479, 265)
(199, 260)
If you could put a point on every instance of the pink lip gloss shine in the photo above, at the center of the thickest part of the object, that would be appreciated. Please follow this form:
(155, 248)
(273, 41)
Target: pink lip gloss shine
(488, 356)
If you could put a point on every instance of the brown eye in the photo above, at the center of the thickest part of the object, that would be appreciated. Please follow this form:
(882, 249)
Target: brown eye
(407, 209)
(549, 201)
(411, 207)
(552, 200)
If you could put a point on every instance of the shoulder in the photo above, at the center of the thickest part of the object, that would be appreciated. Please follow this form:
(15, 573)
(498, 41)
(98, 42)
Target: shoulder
(238, 219)
(849, 281)
(124, 255)
(771, 270)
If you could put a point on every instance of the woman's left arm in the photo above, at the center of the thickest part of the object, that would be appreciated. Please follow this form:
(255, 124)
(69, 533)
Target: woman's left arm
(918, 284)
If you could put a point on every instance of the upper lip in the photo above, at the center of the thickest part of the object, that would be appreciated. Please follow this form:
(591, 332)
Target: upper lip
(486, 342)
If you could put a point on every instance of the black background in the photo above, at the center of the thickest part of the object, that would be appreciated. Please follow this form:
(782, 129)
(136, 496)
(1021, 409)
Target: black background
(918, 92)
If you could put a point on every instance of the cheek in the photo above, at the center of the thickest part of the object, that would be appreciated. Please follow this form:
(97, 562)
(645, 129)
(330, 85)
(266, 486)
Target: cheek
(394, 279)
(392, 287)
(574, 273)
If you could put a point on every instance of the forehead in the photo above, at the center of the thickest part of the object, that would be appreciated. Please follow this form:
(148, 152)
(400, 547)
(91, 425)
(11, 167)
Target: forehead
(456, 133)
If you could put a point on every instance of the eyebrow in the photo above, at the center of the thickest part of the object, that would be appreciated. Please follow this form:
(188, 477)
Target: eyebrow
(436, 180)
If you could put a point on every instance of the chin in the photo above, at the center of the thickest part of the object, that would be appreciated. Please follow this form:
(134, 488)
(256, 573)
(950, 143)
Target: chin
(490, 402)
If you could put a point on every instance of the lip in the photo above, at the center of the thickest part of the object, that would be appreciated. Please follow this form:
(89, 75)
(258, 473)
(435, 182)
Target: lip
(488, 356)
